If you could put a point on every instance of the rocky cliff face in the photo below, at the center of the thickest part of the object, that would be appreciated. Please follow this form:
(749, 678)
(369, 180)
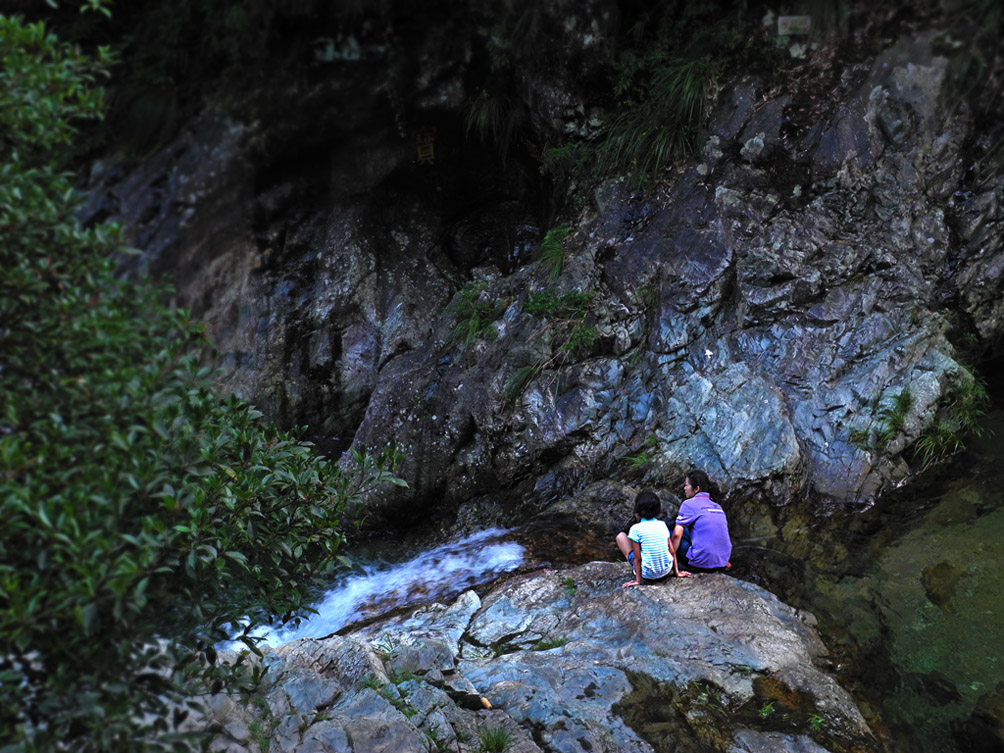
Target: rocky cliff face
(786, 309)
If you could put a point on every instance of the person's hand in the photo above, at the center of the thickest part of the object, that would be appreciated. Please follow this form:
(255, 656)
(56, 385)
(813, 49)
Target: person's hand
(683, 574)
(631, 583)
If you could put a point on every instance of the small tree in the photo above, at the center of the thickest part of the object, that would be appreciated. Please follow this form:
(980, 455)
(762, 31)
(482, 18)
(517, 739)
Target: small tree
(143, 518)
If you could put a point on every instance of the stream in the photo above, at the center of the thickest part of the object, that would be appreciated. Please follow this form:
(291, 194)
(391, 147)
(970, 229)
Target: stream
(387, 577)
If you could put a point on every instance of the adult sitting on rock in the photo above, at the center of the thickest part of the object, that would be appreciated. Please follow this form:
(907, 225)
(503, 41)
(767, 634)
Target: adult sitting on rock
(701, 534)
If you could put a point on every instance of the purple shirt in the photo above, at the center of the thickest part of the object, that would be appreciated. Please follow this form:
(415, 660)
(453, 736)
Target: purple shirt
(710, 545)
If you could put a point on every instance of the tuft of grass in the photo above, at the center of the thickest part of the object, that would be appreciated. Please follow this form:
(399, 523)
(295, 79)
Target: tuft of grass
(569, 585)
(891, 422)
(495, 739)
(766, 710)
(260, 734)
(567, 159)
(648, 295)
(662, 127)
(551, 251)
(398, 677)
(495, 119)
(386, 646)
(372, 683)
(644, 455)
(517, 382)
(968, 405)
(895, 415)
(959, 419)
(861, 439)
(435, 743)
(474, 313)
(546, 644)
(568, 305)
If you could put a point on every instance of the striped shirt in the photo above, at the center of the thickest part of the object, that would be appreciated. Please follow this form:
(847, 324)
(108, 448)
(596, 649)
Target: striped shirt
(653, 537)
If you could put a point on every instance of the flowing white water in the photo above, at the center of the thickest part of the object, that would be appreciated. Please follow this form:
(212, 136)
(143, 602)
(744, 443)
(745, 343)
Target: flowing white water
(379, 586)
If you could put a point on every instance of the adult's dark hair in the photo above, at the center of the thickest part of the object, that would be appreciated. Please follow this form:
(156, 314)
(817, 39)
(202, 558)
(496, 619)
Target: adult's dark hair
(699, 479)
(647, 505)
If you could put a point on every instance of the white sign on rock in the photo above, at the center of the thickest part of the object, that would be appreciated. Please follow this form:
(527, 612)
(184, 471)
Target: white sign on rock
(789, 25)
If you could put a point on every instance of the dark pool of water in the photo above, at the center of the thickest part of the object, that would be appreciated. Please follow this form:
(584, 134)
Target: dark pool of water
(917, 621)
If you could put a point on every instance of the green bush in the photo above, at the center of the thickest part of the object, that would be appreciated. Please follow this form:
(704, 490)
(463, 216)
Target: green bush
(144, 518)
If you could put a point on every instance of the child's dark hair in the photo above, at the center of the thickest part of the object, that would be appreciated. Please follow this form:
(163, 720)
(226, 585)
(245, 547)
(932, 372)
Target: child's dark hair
(647, 505)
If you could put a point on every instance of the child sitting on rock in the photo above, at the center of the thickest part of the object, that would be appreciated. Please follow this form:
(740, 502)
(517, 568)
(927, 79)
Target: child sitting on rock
(646, 544)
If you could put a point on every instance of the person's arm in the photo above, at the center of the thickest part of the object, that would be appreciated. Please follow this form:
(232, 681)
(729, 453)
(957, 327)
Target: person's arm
(636, 547)
(674, 542)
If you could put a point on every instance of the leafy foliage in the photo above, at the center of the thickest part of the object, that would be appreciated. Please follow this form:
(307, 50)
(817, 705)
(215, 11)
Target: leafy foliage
(580, 338)
(565, 322)
(145, 519)
(566, 159)
(644, 455)
(37, 107)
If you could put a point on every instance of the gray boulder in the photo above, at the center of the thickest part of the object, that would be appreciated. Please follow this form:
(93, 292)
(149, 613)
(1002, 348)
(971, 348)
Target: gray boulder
(560, 662)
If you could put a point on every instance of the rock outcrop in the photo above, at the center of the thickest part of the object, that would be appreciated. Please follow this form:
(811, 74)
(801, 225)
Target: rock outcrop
(559, 661)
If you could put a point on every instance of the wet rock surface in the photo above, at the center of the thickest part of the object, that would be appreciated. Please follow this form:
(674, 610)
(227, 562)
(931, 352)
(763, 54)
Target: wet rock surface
(561, 661)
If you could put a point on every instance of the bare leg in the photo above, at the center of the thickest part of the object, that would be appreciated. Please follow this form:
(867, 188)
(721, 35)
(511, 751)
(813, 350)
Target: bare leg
(624, 544)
